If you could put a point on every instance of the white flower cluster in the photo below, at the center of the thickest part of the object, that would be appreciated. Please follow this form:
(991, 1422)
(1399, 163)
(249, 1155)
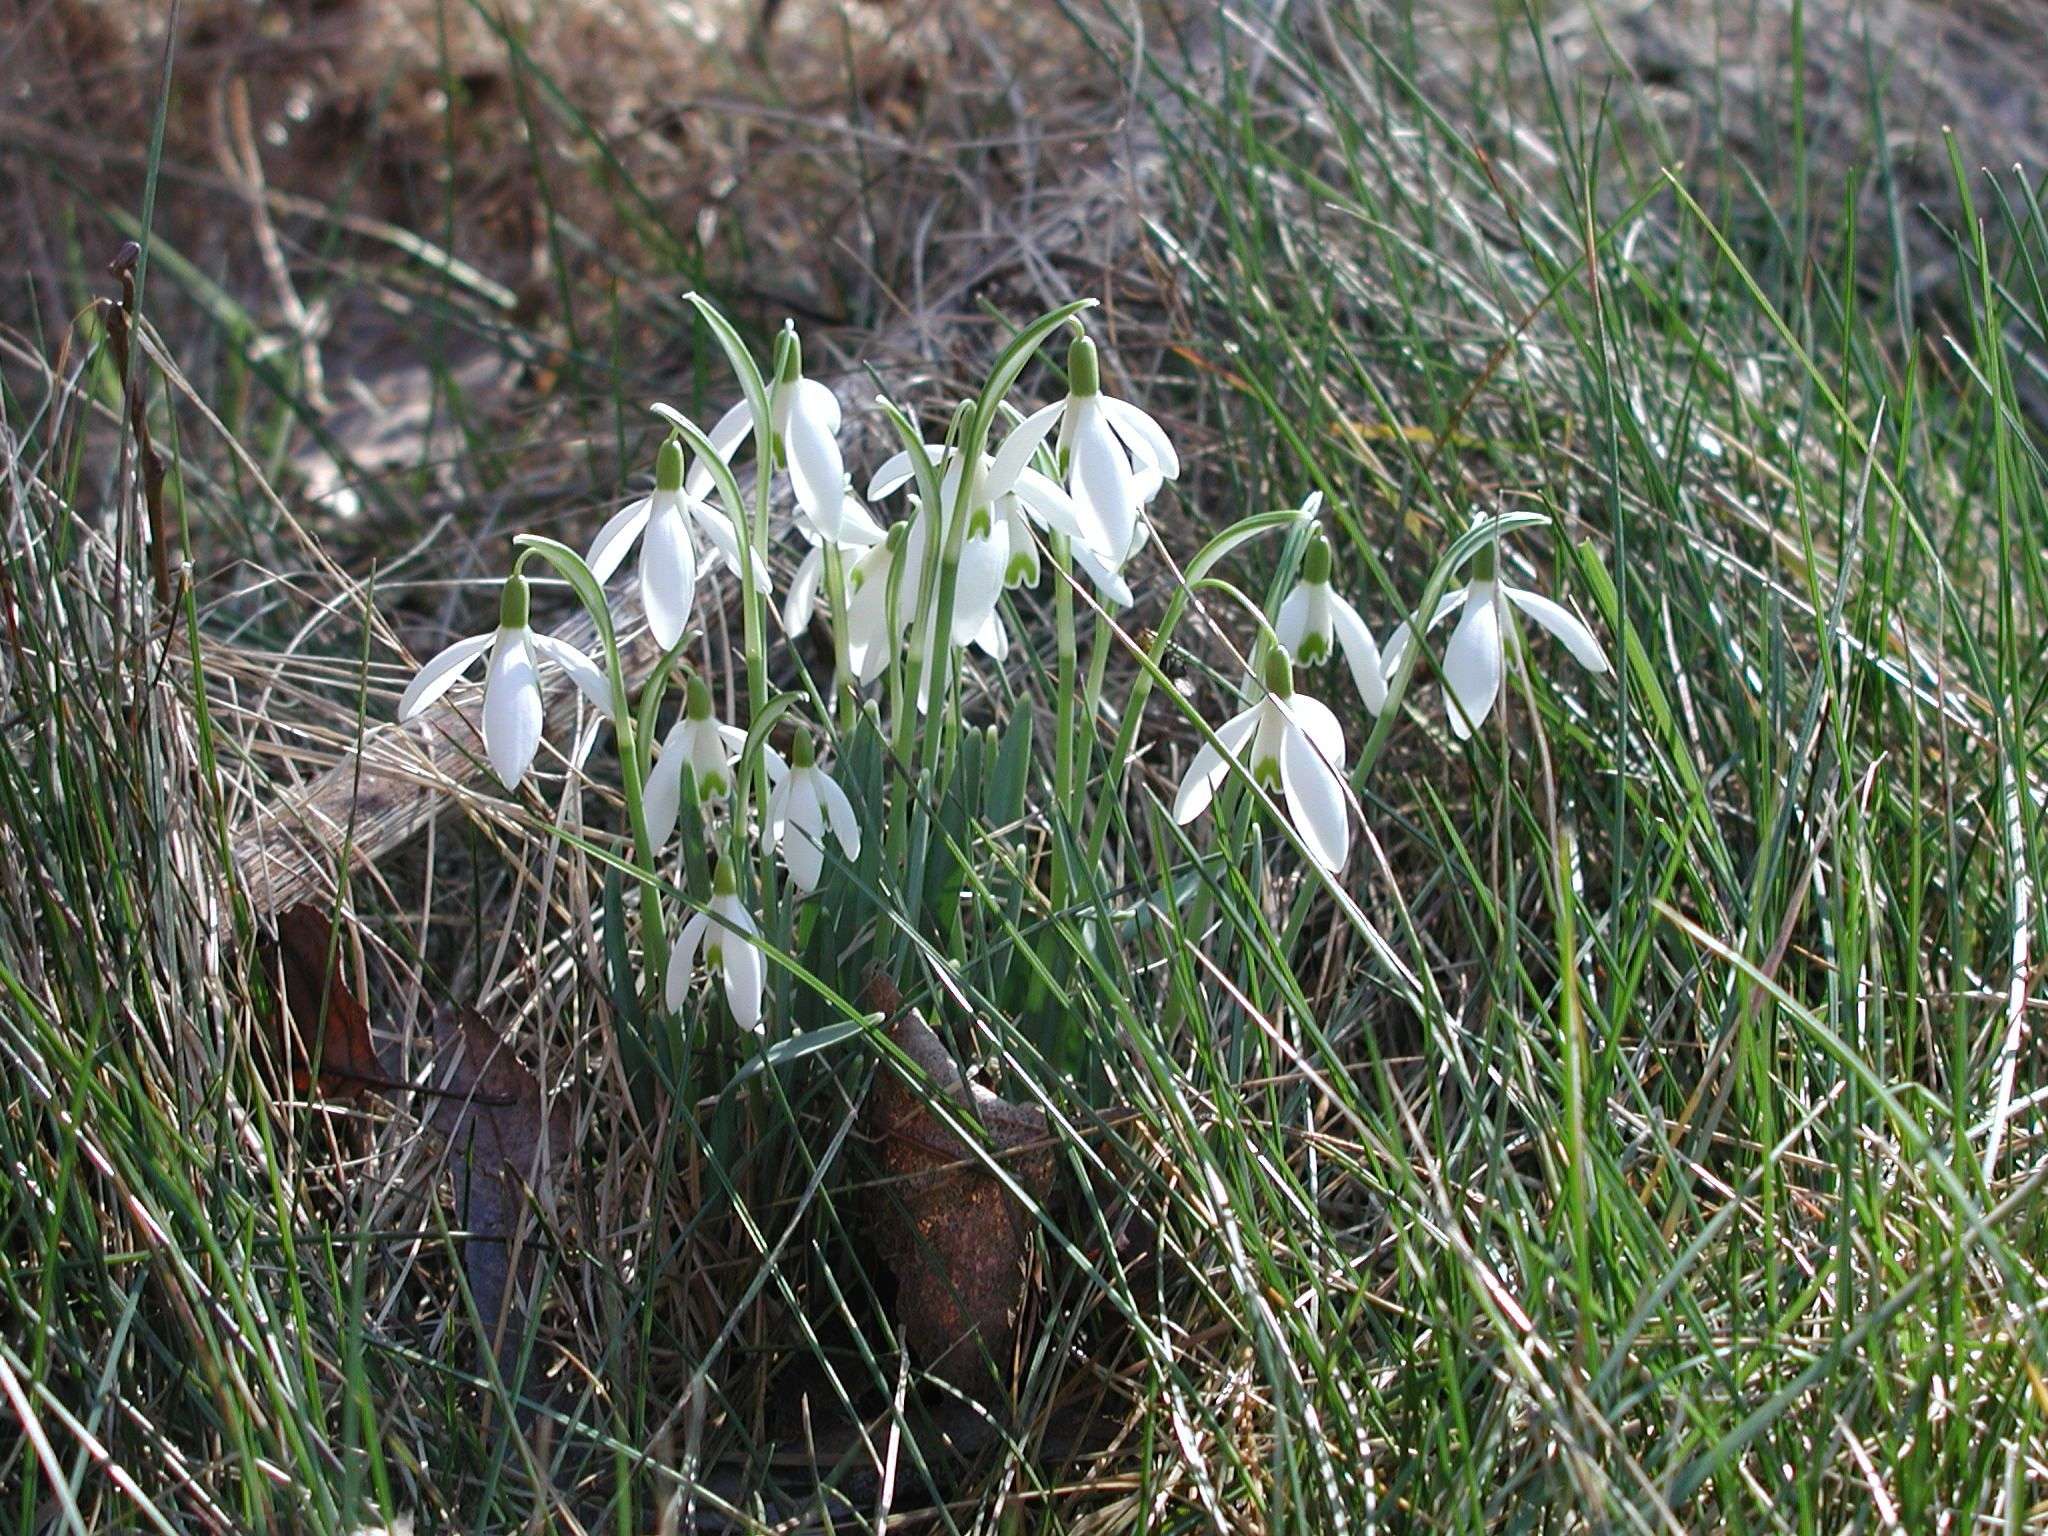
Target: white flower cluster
(1077, 475)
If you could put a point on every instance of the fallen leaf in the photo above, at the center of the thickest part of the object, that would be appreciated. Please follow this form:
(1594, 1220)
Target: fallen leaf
(324, 1028)
(503, 1137)
(954, 1234)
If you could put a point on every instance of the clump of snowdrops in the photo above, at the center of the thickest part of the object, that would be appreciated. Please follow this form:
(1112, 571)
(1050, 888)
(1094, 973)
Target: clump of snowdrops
(991, 504)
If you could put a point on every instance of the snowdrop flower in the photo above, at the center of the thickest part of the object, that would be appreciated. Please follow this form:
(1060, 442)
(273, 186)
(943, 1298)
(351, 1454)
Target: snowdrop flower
(513, 711)
(703, 747)
(1316, 622)
(1474, 657)
(798, 813)
(724, 936)
(857, 532)
(662, 524)
(1004, 482)
(1116, 457)
(803, 425)
(874, 619)
(1296, 753)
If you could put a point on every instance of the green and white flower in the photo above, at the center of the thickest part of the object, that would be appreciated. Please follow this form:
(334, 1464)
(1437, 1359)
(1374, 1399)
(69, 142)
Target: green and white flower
(513, 713)
(707, 749)
(801, 809)
(1296, 752)
(1315, 622)
(724, 938)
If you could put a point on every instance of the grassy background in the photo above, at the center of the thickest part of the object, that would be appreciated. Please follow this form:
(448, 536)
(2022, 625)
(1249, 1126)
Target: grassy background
(1701, 1190)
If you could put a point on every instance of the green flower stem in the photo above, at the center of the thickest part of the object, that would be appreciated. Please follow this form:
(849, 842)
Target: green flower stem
(844, 702)
(1068, 656)
(632, 782)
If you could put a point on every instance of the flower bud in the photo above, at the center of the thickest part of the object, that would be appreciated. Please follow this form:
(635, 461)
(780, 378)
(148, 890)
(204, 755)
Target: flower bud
(1315, 567)
(697, 700)
(668, 466)
(1084, 370)
(1279, 673)
(515, 603)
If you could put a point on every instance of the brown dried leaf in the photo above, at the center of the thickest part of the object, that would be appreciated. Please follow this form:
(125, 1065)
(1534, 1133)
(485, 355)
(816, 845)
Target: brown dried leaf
(503, 1138)
(323, 1027)
(953, 1233)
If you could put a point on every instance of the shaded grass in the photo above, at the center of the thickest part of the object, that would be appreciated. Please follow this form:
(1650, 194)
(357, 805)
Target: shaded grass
(1670, 1202)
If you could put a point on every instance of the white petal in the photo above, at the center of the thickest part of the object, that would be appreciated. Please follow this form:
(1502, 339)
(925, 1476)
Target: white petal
(1315, 801)
(1290, 625)
(616, 537)
(1362, 653)
(1564, 624)
(512, 709)
(802, 599)
(1143, 434)
(857, 528)
(719, 534)
(775, 815)
(682, 960)
(1472, 662)
(583, 672)
(992, 639)
(839, 813)
(803, 832)
(897, 469)
(978, 583)
(740, 961)
(1319, 722)
(1024, 440)
(1099, 480)
(441, 673)
(725, 437)
(1198, 784)
(668, 575)
(1051, 506)
(1114, 589)
(735, 741)
(1404, 632)
(817, 472)
(661, 798)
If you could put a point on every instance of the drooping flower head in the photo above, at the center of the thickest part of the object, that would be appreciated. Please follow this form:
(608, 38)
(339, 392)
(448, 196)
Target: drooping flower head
(665, 526)
(1316, 622)
(1475, 657)
(724, 937)
(1296, 754)
(1115, 456)
(707, 749)
(514, 711)
(800, 811)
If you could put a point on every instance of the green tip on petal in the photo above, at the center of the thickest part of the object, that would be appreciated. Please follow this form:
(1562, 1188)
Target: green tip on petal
(668, 466)
(697, 700)
(723, 881)
(1313, 650)
(515, 604)
(1084, 370)
(1315, 569)
(1279, 674)
(801, 752)
(789, 355)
